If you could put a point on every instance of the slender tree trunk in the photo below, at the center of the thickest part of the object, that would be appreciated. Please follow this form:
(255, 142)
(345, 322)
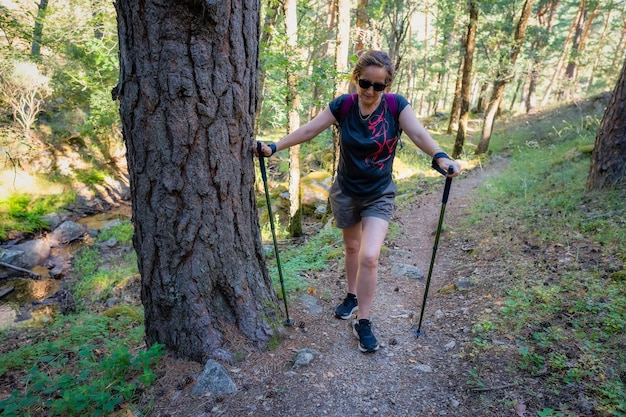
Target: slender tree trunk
(608, 161)
(341, 64)
(545, 17)
(559, 66)
(271, 17)
(361, 25)
(188, 96)
(596, 60)
(503, 78)
(620, 48)
(482, 98)
(456, 101)
(580, 40)
(38, 29)
(293, 105)
(466, 79)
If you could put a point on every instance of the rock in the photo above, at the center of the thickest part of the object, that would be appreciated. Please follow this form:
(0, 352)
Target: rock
(26, 255)
(110, 243)
(304, 357)
(450, 345)
(311, 303)
(214, 379)
(111, 302)
(424, 368)
(113, 223)
(67, 232)
(464, 283)
(408, 271)
(53, 220)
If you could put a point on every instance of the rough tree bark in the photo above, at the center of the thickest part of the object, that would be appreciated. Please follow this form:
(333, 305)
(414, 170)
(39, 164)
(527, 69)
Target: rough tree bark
(608, 161)
(188, 96)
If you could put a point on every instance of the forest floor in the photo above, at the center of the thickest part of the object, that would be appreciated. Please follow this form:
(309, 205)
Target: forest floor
(427, 375)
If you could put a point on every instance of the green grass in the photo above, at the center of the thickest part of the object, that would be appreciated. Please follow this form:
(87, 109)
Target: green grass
(559, 244)
(313, 255)
(99, 277)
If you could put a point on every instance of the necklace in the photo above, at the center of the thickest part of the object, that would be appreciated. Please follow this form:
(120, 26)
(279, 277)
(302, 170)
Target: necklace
(364, 118)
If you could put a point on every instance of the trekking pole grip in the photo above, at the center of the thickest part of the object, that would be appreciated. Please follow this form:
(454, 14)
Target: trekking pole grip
(446, 188)
(261, 160)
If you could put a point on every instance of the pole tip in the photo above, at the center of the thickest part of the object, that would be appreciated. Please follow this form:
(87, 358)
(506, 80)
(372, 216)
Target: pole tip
(288, 322)
(418, 332)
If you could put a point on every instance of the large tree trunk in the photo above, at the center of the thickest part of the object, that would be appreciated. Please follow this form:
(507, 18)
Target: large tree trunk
(188, 96)
(608, 162)
(466, 80)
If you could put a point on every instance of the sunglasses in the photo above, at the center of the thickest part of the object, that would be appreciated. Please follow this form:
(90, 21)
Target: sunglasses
(365, 84)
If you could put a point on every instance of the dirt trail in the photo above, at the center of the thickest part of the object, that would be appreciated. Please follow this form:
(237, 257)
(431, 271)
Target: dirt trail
(408, 376)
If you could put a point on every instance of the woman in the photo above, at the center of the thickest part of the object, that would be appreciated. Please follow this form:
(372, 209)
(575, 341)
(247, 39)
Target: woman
(362, 196)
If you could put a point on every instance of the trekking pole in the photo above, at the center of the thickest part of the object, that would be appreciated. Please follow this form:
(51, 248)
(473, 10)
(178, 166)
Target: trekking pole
(444, 201)
(288, 321)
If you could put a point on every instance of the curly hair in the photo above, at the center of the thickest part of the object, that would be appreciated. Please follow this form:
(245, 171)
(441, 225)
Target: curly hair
(374, 58)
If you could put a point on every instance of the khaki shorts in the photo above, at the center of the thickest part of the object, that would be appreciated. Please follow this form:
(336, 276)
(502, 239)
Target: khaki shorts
(349, 211)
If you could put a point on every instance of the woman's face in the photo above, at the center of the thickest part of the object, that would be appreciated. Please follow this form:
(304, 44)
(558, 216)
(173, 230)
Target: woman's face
(376, 76)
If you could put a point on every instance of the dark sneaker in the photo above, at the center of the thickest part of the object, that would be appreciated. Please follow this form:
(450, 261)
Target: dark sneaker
(362, 329)
(349, 305)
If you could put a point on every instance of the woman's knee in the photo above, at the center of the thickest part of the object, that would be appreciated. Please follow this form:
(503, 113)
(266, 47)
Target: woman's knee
(369, 259)
(352, 246)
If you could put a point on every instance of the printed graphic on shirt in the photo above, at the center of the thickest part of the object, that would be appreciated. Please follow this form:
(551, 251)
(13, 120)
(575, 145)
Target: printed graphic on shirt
(379, 130)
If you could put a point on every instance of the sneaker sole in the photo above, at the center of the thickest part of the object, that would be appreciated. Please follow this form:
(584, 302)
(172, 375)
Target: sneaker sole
(347, 316)
(365, 350)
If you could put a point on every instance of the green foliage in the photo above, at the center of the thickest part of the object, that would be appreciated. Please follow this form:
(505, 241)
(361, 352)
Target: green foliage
(122, 232)
(91, 177)
(99, 278)
(84, 371)
(24, 213)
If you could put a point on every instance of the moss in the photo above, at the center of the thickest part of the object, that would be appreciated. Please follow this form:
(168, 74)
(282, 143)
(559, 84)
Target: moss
(124, 311)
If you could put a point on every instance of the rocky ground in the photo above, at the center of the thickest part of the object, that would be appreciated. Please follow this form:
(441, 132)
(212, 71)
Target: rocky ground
(408, 376)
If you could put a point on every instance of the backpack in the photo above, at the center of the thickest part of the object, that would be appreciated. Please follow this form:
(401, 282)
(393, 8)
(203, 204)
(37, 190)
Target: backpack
(349, 101)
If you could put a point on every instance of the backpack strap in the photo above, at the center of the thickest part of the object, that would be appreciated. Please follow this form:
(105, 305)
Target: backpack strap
(393, 105)
(345, 106)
